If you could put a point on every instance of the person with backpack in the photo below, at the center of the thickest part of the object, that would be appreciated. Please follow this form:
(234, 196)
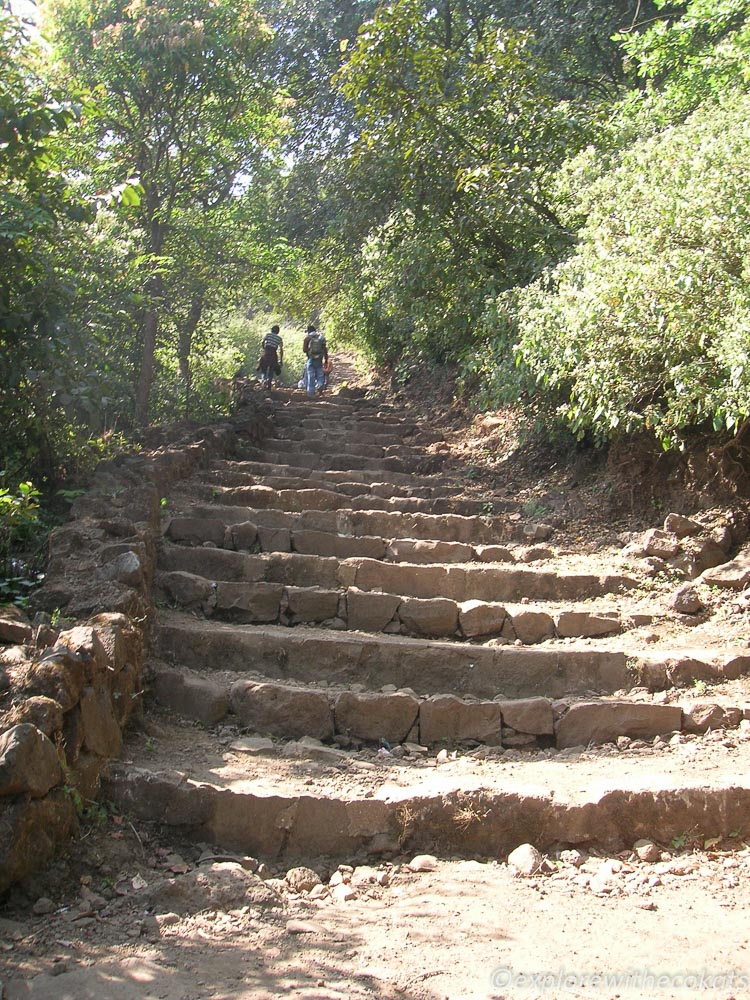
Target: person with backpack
(315, 347)
(272, 357)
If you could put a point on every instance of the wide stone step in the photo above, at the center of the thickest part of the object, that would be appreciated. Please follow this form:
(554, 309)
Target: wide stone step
(351, 717)
(335, 482)
(336, 475)
(414, 465)
(281, 806)
(454, 530)
(465, 582)
(358, 610)
(426, 666)
(321, 499)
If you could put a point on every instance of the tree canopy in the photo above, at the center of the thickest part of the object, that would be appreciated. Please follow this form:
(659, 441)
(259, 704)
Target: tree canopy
(548, 195)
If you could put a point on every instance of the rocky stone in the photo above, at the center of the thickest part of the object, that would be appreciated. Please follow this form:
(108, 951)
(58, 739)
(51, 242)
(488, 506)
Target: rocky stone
(686, 600)
(445, 718)
(525, 860)
(647, 851)
(530, 627)
(302, 879)
(242, 537)
(32, 831)
(253, 746)
(661, 544)
(536, 553)
(250, 602)
(195, 530)
(376, 716)
(435, 616)
(282, 710)
(604, 721)
(29, 764)
(528, 715)
(306, 604)
(100, 730)
(734, 575)
(190, 694)
(423, 863)
(187, 590)
(58, 675)
(44, 713)
(125, 568)
(422, 551)
(494, 553)
(14, 627)
(583, 624)
(681, 526)
(369, 612)
(274, 539)
(480, 618)
(700, 718)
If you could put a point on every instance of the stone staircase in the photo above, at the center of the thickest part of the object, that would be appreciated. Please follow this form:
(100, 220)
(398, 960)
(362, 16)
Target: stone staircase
(354, 655)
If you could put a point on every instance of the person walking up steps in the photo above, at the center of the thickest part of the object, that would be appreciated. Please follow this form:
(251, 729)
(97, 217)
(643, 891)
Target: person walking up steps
(316, 349)
(272, 357)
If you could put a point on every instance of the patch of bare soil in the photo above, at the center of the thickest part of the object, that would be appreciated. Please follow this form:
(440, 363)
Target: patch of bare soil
(132, 915)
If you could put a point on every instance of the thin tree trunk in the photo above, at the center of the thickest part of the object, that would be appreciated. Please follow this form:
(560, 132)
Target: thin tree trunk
(186, 341)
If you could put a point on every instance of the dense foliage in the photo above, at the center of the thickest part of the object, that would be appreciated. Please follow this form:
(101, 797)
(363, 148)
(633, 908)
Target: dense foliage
(550, 194)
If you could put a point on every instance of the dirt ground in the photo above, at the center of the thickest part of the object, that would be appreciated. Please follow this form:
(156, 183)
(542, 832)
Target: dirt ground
(465, 930)
(458, 928)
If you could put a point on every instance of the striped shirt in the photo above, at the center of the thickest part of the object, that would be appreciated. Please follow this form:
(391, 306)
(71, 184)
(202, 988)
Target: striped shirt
(272, 340)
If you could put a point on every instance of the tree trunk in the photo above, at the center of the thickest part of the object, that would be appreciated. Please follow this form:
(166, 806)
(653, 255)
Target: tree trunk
(186, 341)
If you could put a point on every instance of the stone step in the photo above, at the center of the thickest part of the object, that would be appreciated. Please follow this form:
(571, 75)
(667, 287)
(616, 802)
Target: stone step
(283, 805)
(335, 482)
(355, 718)
(322, 499)
(465, 582)
(393, 614)
(413, 465)
(324, 445)
(431, 665)
(338, 475)
(451, 530)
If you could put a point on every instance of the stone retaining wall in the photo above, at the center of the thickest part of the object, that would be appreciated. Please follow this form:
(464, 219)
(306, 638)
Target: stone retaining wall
(68, 689)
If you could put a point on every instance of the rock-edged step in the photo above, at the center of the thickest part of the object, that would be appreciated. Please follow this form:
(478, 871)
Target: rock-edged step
(317, 498)
(305, 801)
(434, 665)
(254, 470)
(393, 614)
(350, 717)
(443, 537)
(417, 464)
(455, 582)
(334, 482)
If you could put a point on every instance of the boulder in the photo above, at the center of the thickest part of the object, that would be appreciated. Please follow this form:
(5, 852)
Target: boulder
(376, 716)
(196, 530)
(528, 715)
(250, 602)
(587, 625)
(443, 718)
(436, 616)
(532, 626)
(29, 764)
(282, 710)
(604, 721)
(307, 604)
(370, 612)
(481, 618)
